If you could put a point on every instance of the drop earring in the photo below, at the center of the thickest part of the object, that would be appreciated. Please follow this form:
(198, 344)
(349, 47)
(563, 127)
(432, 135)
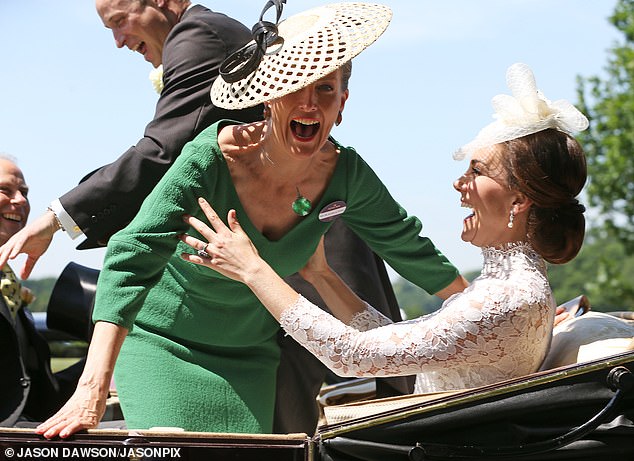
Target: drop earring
(266, 113)
(511, 218)
(339, 119)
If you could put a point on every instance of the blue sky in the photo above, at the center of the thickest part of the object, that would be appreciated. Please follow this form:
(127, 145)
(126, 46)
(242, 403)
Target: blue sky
(71, 101)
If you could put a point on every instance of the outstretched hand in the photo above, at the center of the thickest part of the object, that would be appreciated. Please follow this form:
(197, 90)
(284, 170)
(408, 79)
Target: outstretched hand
(33, 240)
(83, 410)
(228, 249)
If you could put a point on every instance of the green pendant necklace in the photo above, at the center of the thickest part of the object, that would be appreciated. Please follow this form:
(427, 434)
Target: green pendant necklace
(301, 205)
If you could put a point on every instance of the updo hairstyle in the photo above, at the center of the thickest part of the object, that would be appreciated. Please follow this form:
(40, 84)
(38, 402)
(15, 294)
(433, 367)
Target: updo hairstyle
(549, 167)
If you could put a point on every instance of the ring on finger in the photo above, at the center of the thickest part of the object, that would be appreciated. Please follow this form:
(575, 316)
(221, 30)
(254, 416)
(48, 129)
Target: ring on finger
(203, 253)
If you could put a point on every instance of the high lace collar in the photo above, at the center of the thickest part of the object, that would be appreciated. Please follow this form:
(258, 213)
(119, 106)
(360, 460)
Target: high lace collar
(498, 262)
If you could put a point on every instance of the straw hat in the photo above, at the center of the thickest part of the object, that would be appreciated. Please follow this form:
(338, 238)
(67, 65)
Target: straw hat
(312, 44)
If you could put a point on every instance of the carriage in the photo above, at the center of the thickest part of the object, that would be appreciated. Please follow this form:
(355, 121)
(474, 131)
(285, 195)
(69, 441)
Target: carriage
(582, 411)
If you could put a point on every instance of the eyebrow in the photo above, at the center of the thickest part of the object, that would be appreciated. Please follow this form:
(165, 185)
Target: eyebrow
(478, 162)
(110, 18)
(107, 21)
(9, 183)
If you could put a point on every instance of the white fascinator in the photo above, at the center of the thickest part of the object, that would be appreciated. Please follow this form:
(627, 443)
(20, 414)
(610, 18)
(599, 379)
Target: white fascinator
(526, 112)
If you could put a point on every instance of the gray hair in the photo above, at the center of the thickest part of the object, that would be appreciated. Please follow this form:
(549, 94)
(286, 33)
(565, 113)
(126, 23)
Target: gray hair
(9, 157)
(346, 72)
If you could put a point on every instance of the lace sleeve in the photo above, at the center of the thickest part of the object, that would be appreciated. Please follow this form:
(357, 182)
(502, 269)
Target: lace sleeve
(471, 328)
(368, 319)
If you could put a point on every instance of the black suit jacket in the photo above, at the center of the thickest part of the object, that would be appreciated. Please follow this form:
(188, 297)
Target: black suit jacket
(28, 388)
(14, 380)
(106, 200)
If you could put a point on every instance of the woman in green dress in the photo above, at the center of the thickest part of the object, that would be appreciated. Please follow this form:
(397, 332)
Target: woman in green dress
(203, 357)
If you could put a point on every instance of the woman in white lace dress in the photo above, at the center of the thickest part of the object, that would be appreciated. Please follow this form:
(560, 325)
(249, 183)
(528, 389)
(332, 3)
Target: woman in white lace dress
(525, 173)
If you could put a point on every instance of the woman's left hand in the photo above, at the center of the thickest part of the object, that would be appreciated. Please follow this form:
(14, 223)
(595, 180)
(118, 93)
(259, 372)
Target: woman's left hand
(228, 250)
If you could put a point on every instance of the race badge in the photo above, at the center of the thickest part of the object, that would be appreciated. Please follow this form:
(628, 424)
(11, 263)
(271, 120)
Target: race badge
(332, 211)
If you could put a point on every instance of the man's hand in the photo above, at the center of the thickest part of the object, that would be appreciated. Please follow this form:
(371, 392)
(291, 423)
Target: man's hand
(33, 240)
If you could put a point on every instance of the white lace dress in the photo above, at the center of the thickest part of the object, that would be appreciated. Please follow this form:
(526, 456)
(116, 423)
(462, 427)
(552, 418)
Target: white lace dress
(498, 328)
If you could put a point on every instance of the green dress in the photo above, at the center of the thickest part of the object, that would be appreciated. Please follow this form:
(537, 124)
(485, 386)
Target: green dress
(202, 353)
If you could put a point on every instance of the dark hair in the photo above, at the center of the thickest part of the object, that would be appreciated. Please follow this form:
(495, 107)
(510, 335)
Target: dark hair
(549, 167)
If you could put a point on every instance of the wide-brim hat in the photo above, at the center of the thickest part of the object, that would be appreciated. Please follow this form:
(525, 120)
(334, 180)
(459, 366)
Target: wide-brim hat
(312, 44)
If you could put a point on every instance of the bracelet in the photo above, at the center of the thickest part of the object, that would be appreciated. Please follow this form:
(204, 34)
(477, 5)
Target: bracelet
(59, 223)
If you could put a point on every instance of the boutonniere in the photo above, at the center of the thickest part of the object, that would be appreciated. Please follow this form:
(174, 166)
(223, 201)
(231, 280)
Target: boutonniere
(156, 77)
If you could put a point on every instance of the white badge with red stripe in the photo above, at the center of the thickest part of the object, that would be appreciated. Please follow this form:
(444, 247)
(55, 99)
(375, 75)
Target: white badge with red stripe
(332, 211)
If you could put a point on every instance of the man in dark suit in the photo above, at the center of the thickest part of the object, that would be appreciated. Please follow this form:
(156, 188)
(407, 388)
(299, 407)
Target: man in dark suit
(14, 381)
(190, 42)
(28, 388)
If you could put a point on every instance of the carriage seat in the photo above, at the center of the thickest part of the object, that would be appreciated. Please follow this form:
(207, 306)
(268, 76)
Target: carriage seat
(588, 335)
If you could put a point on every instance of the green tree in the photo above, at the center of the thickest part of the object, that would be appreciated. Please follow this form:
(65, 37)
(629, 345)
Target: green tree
(42, 289)
(609, 142)
(414, 301)
(602, 271)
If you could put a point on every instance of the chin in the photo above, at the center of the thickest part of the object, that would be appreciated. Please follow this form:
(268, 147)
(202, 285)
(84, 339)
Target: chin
(466, 236)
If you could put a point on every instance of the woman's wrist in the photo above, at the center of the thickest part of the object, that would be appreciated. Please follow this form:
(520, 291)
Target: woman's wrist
(257, 273)
(96, 384)
(320, 278)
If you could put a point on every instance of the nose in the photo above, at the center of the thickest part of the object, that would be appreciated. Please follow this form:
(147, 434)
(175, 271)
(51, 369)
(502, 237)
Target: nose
(119, 38)
(308, 99)
(458, 183)
(19, 198)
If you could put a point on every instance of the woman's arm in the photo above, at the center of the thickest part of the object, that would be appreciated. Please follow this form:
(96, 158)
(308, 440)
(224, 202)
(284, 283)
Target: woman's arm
(87, 405)
(340, 299)
(448, 339)
(233, 255)
(457, 286)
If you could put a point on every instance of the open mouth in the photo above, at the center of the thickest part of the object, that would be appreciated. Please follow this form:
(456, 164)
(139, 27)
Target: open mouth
(472, 212)
(12, 217)
(139, 48)
(305, 128)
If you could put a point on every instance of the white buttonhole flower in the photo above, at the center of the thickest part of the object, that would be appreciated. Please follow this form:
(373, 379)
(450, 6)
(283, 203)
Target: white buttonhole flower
(156, 77)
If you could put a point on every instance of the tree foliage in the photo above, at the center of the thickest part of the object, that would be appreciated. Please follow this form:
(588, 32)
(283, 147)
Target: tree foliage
(42, 289)
(609, 142)
(602, 271)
